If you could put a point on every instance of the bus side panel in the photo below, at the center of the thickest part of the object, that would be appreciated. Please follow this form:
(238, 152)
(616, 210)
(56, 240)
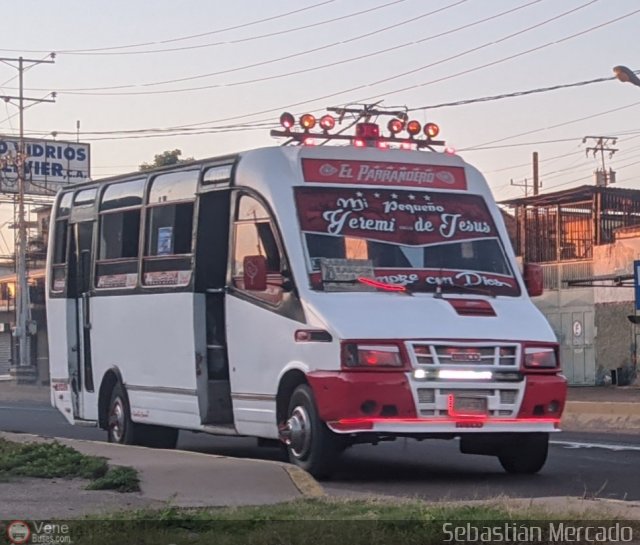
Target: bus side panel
(150, 339)
(260, 344)
(60, 320)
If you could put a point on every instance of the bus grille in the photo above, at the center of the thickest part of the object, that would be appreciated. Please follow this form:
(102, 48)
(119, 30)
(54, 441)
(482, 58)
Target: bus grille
(466, 354)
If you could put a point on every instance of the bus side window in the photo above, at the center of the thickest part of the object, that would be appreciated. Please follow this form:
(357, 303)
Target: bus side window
(168, 252)
(254, 234)
(61, 237)
(118, 248)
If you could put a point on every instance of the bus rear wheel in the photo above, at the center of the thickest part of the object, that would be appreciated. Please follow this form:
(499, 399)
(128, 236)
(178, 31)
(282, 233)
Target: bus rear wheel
(528, 456)
(121, 429)
(310, 444)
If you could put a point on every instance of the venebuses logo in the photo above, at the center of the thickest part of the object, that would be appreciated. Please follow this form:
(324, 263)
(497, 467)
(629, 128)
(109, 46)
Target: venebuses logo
(18, 532)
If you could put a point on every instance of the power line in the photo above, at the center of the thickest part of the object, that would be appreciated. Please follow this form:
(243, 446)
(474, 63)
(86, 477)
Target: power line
(528, 163)
(370, 84)
(485, 145)
(466, 101)
(505, 59)
(239, 40)
(317, 49)
(333, 95)
(182, 38)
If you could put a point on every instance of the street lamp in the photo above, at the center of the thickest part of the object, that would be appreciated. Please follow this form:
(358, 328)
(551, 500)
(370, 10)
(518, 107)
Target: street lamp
(625, 74)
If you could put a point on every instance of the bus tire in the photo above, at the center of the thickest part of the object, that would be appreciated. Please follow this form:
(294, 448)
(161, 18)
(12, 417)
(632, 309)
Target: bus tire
(528, 457)
(120, 427)
(311, 446)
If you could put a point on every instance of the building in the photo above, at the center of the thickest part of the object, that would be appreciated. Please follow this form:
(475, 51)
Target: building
(586, 239)
(36, 258)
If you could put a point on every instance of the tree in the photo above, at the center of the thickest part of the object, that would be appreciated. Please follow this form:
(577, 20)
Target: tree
(164, 159)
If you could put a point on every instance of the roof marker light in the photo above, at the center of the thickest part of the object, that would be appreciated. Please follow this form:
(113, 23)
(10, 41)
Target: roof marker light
(309, 141)
(413, 127)
(359, 143)
(327, 122)
(431, 130)
(450, 151)
(395, 126)
(287, 120)
(382, 144)
(308, 121)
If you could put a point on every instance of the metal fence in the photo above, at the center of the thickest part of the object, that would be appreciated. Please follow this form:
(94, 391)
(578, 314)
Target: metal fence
(556, 275)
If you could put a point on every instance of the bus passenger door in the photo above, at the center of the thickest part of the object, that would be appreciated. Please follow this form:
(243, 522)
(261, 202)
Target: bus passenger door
(79, 332)
(212, 372)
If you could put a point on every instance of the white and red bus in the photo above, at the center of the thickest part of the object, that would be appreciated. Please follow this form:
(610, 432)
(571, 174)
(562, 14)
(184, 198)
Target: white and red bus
(318, 295)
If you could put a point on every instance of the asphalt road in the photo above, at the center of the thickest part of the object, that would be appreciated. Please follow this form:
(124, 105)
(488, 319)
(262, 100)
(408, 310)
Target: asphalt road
(579, 465)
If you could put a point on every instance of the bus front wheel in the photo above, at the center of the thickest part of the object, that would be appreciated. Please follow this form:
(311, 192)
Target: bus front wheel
(528, 456)
(310, 444)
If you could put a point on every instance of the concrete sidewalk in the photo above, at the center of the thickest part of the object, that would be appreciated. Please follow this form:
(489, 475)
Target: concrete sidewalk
(602, 408)
(189, 479)
(11, 392)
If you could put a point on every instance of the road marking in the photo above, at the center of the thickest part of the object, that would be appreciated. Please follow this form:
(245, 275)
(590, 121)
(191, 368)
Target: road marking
(19, 408)
(577, 444)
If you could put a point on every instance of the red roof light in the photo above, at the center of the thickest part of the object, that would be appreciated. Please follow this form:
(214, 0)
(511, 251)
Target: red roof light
(431, 130)
(308, 121)
(327, 122)
(395, 126)
(413, 127)
(287, 120)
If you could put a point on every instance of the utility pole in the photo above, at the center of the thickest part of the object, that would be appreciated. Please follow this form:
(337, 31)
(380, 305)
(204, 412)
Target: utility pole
(601, 146)
(22, 301)
(525, 184)
(536, 180)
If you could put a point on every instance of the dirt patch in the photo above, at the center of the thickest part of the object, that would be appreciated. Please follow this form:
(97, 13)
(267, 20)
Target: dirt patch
(63, 498)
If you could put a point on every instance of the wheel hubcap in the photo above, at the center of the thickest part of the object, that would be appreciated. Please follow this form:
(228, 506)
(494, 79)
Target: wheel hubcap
(116, 420)
(299, 432)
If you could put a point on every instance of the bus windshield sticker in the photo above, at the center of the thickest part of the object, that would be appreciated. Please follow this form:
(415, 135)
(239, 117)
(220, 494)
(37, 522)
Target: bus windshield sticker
(342, 274)
(411, 218)
(337, 171)
(167, 278)
(423, 240)
(117, 280)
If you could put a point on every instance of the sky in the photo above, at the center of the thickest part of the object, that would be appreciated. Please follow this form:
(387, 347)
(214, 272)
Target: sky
(233, 67)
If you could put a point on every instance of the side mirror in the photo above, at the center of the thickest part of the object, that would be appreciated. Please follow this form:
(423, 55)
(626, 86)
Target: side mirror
(255, 273)
(533, 279)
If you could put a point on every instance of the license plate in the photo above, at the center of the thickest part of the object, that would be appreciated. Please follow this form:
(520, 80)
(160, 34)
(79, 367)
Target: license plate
(476, 406)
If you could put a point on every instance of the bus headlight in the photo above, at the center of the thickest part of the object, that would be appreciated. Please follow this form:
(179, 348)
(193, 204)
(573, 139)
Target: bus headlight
(372, 355)
(540, 357)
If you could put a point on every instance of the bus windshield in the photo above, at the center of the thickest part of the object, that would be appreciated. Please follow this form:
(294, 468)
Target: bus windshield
(415, 238)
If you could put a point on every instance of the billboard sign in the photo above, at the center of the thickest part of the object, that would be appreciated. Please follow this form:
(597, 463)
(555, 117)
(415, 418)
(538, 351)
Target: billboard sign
(49, 165)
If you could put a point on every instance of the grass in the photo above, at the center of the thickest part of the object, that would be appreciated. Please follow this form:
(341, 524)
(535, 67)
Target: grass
(121, 479)
(54, 460)
(318, 521)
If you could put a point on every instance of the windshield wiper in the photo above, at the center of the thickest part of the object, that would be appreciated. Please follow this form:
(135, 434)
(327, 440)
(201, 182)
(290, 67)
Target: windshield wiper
(440, 287)
(383, 285)
(371, 282)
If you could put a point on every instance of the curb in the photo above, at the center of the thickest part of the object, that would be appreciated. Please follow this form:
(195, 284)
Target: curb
(601, 416)
(304, 482)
